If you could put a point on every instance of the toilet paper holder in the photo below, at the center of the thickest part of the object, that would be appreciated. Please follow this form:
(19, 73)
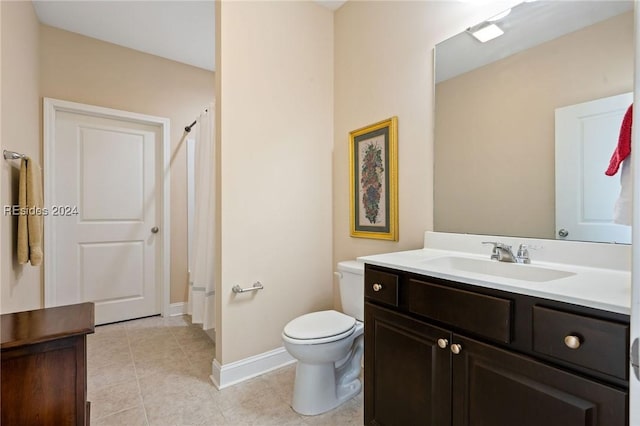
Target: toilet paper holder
(256, 286)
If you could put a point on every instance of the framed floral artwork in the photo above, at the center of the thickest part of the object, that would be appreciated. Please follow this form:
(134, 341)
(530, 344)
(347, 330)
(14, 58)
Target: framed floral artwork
(373, 166)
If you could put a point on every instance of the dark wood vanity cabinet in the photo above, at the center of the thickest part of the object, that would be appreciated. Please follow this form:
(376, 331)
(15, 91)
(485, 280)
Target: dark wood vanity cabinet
(44, 369)
(443, 353)
(406, 372)
(501, 388)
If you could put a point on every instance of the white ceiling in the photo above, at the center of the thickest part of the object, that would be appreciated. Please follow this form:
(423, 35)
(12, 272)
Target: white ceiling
(180, 30)
(331, 4)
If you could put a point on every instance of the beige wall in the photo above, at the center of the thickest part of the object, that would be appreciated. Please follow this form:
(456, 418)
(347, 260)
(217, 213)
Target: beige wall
(21, 285)
(276, 117)
(501, 162)
(219, 332)
(384, 67)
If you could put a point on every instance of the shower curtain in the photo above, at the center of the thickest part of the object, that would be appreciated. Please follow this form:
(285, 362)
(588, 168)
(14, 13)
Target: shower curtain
(201, 302)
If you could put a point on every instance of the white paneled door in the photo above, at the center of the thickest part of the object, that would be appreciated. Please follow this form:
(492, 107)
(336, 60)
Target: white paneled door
(105, 184)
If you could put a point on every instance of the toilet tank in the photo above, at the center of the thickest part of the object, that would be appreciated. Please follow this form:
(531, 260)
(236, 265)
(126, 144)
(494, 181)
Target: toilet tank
(351, 273)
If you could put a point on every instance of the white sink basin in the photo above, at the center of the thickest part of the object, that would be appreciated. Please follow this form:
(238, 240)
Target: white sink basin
(498, 269)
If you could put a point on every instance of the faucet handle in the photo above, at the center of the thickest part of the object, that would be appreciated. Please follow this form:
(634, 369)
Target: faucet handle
(523, 254)
(495, 255)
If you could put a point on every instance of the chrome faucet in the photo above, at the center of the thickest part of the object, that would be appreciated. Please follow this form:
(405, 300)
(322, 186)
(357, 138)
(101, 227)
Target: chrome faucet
(503, 253)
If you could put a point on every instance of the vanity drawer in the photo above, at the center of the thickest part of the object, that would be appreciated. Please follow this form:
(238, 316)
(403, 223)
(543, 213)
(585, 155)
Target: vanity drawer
(598, 344)
(478, 313)
(381, 287)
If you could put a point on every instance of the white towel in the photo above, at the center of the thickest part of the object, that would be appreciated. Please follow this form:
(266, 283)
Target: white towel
(624, 203)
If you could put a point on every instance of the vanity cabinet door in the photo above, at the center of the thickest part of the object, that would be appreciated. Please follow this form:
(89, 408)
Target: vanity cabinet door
(407, 372)
(494, 387)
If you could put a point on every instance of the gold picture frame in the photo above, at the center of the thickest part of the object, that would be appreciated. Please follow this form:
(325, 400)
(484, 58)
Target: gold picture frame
(373, 189)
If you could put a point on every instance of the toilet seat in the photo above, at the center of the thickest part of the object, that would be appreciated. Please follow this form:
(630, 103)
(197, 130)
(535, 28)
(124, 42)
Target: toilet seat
(319, 327)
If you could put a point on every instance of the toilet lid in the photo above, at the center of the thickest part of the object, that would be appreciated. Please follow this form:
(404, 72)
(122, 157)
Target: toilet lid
(317, 325)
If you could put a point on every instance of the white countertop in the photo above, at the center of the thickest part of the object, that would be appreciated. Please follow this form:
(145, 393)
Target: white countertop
(599, 288)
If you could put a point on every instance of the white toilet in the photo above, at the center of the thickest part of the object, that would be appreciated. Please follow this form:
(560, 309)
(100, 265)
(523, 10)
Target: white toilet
(328, 346)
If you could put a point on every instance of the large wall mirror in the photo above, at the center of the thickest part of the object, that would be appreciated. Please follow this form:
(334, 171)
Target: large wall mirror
(499, 109)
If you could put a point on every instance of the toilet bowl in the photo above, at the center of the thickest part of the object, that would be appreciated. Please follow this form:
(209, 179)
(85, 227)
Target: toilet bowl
(328, 346)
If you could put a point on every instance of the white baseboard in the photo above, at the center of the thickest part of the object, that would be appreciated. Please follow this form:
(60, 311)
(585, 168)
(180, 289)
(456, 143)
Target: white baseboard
(235, 372)
(176, 309)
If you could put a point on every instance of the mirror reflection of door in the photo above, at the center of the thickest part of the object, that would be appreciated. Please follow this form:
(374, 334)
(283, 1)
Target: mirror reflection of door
(586, 136)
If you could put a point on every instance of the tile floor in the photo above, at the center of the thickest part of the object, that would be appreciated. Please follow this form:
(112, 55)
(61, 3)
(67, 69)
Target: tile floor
(155, 371)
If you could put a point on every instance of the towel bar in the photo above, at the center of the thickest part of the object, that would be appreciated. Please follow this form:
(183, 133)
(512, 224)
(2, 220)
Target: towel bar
(11, 155)
(256, 286)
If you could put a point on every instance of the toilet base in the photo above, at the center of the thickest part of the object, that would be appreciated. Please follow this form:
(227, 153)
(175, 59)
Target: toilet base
(322, 387)
(325, 395)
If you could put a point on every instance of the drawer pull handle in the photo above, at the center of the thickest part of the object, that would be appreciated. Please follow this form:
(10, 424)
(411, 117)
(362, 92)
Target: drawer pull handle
(456, 348)
(443, 343)
(377, 287)
(572, 342)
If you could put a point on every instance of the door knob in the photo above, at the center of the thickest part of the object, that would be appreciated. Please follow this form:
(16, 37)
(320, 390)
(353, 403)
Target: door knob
(377, 287)
(155, 229)
(563, 233)
(442, 343)
(456, 348)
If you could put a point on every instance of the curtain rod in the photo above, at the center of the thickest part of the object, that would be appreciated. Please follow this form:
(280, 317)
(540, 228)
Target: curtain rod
(188, 128)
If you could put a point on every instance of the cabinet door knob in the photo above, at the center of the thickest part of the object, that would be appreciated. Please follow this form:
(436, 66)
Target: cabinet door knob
(572, 342)
(443, 343)
(456, 348)
(377, 287)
